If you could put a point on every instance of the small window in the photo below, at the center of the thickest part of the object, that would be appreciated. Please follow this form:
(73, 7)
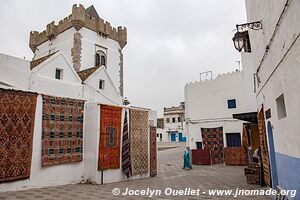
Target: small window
(168, 120)
(199, 145)
(268, 113)
(100, 58)
(231, 103)
(173, 119)
(280, 104)
(58, 74)
(179, 119)
(101, 84)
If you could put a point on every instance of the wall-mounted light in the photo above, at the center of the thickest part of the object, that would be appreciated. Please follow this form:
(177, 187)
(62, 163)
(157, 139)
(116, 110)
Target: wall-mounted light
(125, 101)
(241, 39)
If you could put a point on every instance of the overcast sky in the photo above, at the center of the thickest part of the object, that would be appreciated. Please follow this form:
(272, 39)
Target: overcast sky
(169, 41)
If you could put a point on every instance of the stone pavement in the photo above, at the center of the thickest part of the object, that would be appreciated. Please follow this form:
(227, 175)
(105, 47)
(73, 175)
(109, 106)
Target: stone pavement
(170, 176)
(161, 146)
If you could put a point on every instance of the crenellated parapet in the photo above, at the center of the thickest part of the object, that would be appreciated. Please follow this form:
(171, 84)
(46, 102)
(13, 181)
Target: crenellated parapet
(78, 19)
(220, 78)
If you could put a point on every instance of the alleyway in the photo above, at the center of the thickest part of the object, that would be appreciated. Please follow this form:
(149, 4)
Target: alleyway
(170, 176)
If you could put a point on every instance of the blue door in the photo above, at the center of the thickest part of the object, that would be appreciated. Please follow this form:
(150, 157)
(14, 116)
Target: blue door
(173, 137)
(233, 139)
(180, 137)
(272, 157)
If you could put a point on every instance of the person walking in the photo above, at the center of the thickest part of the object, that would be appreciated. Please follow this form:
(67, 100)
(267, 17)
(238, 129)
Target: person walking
(186, 160)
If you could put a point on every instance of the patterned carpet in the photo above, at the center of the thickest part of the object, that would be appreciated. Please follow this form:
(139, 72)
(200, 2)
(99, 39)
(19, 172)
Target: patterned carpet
(17, 116)
(110, 135)
(213, 140)
(153, 152)
(139, 141)
(62, 130)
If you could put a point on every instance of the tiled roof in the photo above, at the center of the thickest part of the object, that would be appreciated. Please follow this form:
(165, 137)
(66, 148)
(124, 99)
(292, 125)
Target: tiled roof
(38, 61)
(84, 74)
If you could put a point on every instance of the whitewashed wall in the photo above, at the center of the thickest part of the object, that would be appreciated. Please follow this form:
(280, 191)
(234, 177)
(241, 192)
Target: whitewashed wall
(248, 102)
(109, 95)
(286, 78)
(206, 104)
(90, 41)
(62, 42)
(42, 79)
(279, 74)
(14, 72)
(164, 135)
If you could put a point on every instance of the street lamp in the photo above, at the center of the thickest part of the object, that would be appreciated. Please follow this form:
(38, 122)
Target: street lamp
(240, 40)
(241, 37)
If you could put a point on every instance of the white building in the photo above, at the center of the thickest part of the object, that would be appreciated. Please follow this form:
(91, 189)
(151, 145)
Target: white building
(80, 57)
(174, 124)
(276, 60)
(161, 136)
(15, 72)
(89, 47)
(211, 104)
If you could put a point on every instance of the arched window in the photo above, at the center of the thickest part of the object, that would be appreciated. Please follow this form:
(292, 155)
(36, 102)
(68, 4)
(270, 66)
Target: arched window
(100, 58)
(97, 59)
(103, 60)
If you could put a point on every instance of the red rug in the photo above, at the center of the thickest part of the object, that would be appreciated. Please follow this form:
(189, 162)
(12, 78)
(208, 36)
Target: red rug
(153, 152)
(200, 157)
(235, 156)
(62, 130)
(110, 134)
(17, 115)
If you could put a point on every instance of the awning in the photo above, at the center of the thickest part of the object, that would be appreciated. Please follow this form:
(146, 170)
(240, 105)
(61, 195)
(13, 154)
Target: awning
(249, 117)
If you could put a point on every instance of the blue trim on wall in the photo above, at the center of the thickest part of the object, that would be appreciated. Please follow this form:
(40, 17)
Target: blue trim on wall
(272, 156)
(288, 171)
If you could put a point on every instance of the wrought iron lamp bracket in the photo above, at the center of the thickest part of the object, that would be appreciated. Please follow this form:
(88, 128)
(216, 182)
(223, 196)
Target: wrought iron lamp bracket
(252, 25)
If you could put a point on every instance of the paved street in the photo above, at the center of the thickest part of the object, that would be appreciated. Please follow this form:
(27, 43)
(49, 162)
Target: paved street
(170, 176)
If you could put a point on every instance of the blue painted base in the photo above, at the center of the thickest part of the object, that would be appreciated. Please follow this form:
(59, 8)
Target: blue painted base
(288, 171)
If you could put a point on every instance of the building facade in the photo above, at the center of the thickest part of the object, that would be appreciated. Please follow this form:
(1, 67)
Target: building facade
(78, 58)
(276, 59)
(174, 123)
(209, 108)
(89, 46)
(160, 129)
